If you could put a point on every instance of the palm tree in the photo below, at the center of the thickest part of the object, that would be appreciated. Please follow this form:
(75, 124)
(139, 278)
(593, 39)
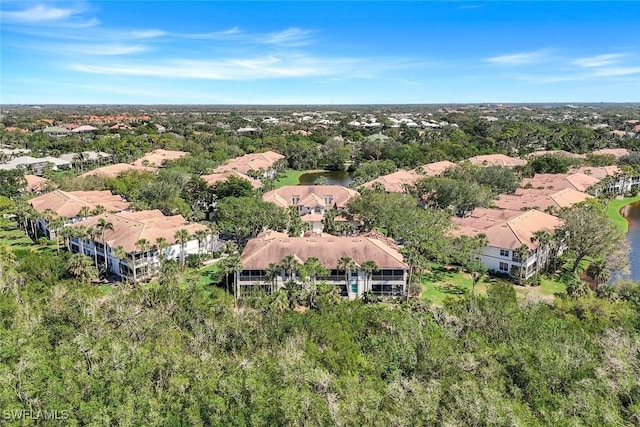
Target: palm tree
(162, 245)
(229, 248)
(80, 232)
(213, 232)
(80, 266)
(143, 246)
(84, 212)
(121, 255)
(368, 267)
(599, 271)
(102, 227)
(93, 235)
(289, 264)
(271, 273)
(201, 236)
(56, 225)
(544, 239)
(347, 264)
(49, 216)
(523, 255)
(67, 233)
(182, 236)
(314, 269)
(235, 264)
(99, 209)
(231, 264)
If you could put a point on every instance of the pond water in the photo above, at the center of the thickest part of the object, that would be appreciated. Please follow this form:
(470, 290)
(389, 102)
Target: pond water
(333, 178)
(632, 213)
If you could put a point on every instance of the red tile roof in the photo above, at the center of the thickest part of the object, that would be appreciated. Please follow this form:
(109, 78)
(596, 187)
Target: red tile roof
(272, 247)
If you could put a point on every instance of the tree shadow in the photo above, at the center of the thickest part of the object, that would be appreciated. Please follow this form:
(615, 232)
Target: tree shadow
(451, 289)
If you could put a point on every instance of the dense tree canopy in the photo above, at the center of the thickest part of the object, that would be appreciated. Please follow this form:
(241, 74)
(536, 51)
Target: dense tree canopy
(588, 232)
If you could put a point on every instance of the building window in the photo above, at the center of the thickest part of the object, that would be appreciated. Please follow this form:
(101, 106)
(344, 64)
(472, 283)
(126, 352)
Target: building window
(295, 200)
(503, 266)
(328, 200)
(504, 252)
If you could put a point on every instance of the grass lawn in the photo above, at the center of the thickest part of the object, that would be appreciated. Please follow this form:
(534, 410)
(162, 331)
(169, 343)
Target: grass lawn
(613, 210)
(445, 282)
(210, 274)
(15, 238)
(290, 177)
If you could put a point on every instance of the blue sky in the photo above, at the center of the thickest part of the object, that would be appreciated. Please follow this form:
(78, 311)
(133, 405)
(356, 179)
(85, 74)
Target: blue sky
(303, 52)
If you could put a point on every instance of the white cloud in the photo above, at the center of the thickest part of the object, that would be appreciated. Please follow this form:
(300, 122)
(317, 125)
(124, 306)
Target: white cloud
(619, 71)
(290, 36)
(265, 67)
(147, 34)
(523, 58)
(600, 60)
(102, 49)
(38, 13)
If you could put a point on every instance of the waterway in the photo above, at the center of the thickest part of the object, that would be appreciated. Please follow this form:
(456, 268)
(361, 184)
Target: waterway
(333, 178)
(632, 214)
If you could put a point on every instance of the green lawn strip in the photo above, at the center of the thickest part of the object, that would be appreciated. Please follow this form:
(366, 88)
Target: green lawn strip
(290, 177)
(613, 210)
(15, 238)
(443, 282)
(450, 282)
(210, 274)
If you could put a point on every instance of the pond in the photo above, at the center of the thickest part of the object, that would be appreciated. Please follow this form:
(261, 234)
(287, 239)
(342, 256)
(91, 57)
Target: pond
(632, 213)
(333, 178)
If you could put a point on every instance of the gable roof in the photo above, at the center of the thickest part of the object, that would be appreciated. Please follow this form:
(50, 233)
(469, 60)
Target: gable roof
(69, 204)
(129, 227)
(497, 160)
(507, 229)
(541, 199)
(36, 183)
(272, 247)
(598, 172)
(617, 152)
(558, 181)
(249, 162)
(310, 195)
(397, 181)
(112, 171)
(159, 156)
(84, 128)
(223, 176)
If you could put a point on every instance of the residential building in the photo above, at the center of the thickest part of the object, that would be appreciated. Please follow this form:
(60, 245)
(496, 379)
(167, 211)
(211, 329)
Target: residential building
(497, 160)
(223, 176)
(71, 205)
(311, 201)
(272, 247)
(399, 181)
(11, 153)
(84, 129)
(558, 181)
(37, 184)
(249, 131)
(547, 200)
(56, 131)
(261, 165)
(112, 171)
(87, 158)
(618, 181)
(616, 152)
(157, 157)
(129, 230)
(509, 232)
(36, 166)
